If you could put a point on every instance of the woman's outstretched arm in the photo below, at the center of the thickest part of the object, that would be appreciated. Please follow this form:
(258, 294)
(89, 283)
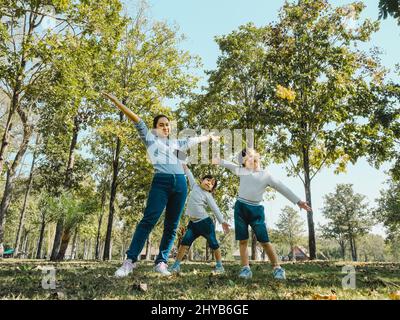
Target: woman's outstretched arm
(131, 115)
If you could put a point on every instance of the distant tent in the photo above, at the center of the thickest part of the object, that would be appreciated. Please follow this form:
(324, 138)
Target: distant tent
(8, 253)
(301, 253)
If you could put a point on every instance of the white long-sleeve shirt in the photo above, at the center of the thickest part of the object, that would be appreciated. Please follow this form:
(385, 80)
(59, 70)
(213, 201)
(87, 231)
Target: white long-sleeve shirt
(253, 183)
(199, 200)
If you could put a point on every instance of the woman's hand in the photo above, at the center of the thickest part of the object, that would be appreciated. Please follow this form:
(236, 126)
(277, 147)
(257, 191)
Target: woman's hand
(111, 97)
(131, 115)
(304, 205)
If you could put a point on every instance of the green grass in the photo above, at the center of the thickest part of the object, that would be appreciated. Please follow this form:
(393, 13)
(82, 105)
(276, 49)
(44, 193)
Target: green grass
(22, 279)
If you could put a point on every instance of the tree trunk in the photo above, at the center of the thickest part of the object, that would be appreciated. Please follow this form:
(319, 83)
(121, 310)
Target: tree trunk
(85, 250)
(293, 250)
(74, 245)
(100, 221)
(90, 254)
(60, 235)
(5, 141)
(64, 244)
(253, 246)
(111, 248)
(342, 250)
(9, 186)
(41, 236)
(113, 193)
(353, 249)
(310, 220)
(24, 244)
(57, 239)
(28, 189)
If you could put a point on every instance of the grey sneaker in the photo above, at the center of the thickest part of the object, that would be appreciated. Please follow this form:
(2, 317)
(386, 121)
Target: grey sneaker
(245, 273)
(176, 268)
(219, 269)
(126, 268)
(162, 268)
(279, 273)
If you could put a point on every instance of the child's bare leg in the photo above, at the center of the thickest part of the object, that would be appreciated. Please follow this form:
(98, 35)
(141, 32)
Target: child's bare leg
(181, 252)
(269, 249)
(244, 255)
(217, 254)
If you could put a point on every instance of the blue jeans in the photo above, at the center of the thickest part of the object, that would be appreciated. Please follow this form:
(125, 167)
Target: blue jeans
(205, 228)
(168, 191)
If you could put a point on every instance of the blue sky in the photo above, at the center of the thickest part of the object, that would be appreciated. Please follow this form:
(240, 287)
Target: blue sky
(201, 21)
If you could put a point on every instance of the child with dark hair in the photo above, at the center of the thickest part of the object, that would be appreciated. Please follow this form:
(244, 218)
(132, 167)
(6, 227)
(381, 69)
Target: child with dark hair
(200, 198)
(248, 209)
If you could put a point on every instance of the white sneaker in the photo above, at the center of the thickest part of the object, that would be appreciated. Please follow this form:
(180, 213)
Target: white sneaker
(126, 268)
(162, 268)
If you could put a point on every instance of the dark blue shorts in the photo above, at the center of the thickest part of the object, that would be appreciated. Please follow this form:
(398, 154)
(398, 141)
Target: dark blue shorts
(205, 228)
(253, 215)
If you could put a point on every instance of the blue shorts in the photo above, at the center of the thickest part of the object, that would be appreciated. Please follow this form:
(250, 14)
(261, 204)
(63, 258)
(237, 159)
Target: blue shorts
(253, 215)
(205, 228)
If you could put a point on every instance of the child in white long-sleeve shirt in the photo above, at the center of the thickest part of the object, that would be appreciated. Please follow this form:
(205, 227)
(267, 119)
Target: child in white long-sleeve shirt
(200, 198)
(248, 209)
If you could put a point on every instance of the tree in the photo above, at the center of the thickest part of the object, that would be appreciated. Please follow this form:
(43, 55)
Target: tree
(290, 226)
(348, 216)
(305, 86)
(30, 51)
(388, 209)
(389, 7)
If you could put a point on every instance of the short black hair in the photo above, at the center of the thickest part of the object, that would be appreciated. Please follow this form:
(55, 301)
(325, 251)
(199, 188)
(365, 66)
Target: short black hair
(158, 117)
(209, 176)
(241, 156)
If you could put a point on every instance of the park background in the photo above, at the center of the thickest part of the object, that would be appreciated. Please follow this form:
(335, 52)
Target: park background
(64, 195)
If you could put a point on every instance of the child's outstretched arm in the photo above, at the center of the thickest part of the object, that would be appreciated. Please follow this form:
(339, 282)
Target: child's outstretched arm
(214, 207)
(285, 191)
(234, 168)
(189, 175)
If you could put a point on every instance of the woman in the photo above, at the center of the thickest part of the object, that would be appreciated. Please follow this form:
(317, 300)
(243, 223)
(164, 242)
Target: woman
(168, 189)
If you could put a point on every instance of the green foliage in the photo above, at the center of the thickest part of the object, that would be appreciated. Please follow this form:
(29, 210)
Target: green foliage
(389, 7)
(290, 226)
(348, 215)
(388, 209)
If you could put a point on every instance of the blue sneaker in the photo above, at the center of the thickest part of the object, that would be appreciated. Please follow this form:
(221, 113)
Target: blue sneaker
(279, 273)
(219, 269)
(245, 273)
(176, 268)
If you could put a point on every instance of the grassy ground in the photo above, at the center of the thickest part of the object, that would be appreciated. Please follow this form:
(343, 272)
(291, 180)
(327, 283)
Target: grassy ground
(22, 279)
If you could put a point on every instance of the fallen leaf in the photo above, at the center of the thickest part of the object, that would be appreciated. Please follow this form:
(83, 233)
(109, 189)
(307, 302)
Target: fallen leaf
(318, 296)
(395, 295)
(140, 287)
